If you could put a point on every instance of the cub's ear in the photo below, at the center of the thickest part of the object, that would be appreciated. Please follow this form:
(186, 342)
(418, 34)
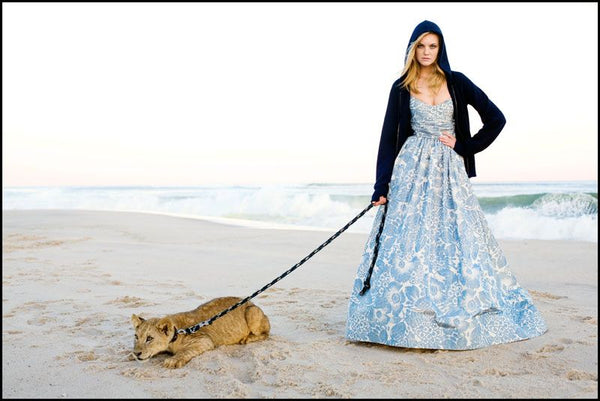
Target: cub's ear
(166, 326)
(136, 320)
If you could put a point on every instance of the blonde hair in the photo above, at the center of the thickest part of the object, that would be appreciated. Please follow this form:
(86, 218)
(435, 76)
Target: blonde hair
(412, 69)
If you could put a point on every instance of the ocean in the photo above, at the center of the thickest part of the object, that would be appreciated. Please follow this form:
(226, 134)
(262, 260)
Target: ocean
(518, 210)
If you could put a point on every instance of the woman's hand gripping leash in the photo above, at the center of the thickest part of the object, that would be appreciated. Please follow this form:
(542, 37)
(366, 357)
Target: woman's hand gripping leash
(382, 200)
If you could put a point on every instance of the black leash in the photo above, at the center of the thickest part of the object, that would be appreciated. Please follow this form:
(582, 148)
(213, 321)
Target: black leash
(367, 283)
(193, 329)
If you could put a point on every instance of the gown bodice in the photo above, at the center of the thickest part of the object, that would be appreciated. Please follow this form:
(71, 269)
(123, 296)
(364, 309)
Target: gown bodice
(430, 120)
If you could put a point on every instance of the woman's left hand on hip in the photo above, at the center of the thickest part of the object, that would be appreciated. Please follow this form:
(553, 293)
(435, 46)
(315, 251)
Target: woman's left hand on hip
(447, 139)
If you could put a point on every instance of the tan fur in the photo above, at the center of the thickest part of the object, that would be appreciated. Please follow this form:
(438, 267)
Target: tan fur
(246, 323)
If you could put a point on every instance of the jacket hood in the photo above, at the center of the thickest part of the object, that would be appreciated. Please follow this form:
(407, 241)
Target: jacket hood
(428, 26)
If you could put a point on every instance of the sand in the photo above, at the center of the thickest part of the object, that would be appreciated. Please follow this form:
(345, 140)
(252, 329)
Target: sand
(72, 279)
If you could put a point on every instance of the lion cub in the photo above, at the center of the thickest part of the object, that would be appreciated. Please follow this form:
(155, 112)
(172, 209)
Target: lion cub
(246, 323)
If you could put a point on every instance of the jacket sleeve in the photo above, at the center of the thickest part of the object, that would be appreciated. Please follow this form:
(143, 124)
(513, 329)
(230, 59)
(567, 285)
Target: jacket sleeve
(387, 145)
(492, 118)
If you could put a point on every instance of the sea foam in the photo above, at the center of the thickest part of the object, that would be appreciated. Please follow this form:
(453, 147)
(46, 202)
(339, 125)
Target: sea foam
(565, 211)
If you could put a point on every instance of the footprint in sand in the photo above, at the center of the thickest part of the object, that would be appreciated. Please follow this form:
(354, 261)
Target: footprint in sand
(295, 290)
(137, 373)
(330, 304)
(86, 356)
(579, 375)
(40, 321)
(270, 291)
(543, 352)
(495, 372)
(130, 302)
(95, 319)
(588, 320)
(545, 295)
(550, 348)
(14, 242)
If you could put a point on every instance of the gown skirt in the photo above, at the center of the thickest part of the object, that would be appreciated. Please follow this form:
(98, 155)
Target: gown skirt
(440, 280)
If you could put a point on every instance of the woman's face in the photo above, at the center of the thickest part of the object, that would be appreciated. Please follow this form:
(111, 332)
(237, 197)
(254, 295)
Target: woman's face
(427, 50)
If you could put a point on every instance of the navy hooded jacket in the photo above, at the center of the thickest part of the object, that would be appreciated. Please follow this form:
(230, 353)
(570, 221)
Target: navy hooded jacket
(397, 127)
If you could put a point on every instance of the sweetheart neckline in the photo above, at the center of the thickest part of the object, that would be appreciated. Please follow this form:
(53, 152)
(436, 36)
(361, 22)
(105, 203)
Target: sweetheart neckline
(432, 105)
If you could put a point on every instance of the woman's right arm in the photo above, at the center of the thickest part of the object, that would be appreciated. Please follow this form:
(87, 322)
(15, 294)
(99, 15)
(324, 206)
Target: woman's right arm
(387, 145)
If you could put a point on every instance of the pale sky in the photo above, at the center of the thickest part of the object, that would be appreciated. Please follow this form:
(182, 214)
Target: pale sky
(265, 93)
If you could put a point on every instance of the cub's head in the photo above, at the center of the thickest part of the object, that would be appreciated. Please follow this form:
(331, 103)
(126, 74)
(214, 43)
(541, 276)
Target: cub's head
(152, 336)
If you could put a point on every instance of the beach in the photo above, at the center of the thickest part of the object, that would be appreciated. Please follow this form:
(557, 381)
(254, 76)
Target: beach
(71, 279)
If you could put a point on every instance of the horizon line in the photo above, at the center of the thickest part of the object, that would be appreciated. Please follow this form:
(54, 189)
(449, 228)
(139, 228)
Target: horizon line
(272, 184)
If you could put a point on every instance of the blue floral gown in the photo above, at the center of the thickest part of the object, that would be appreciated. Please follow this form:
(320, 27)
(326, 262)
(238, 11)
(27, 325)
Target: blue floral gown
(440, 280)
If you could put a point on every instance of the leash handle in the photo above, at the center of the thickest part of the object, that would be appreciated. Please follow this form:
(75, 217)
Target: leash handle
(195, 328)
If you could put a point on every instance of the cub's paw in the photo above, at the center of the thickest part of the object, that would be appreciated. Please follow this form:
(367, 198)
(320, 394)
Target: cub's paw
(174, 363)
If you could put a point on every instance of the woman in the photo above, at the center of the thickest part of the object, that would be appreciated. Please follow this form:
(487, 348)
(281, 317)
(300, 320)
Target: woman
(434, 275)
